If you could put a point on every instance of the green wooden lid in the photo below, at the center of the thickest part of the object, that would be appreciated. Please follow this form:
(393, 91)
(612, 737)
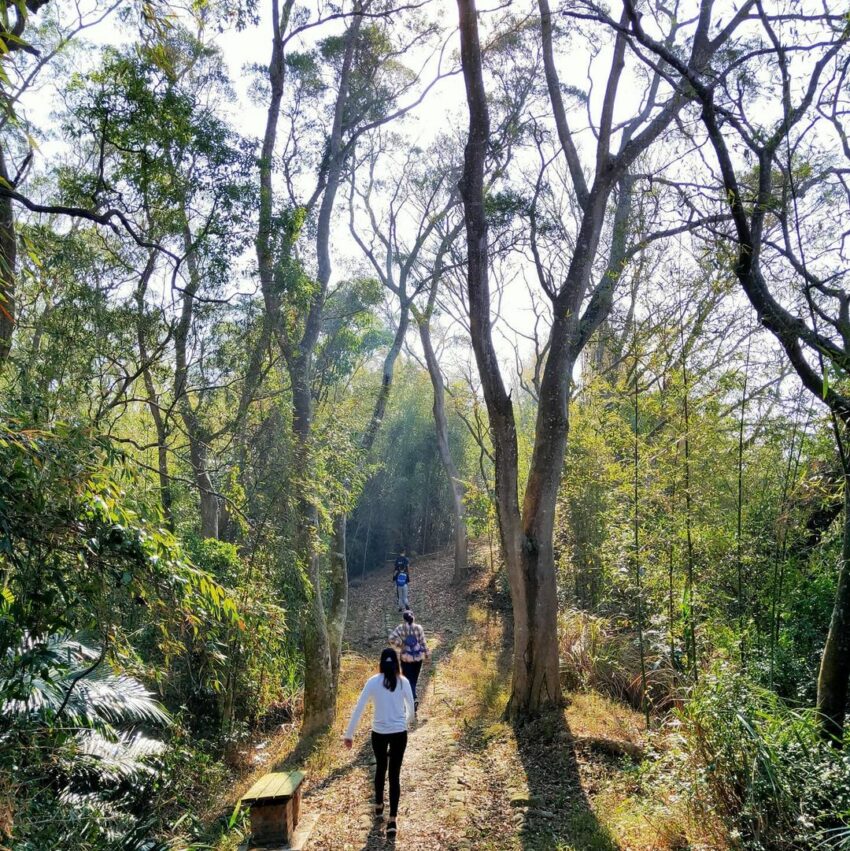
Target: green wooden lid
(274, 786)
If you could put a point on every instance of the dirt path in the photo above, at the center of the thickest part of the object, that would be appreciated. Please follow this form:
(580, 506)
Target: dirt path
(432, 751)
(469, 781)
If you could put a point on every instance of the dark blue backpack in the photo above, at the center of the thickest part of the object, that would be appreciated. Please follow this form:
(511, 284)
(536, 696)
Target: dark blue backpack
(411, 645)
(401, 578)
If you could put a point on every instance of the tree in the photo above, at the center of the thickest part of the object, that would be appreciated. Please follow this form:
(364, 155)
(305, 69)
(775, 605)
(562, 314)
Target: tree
(156, 150)
(365, 80)
(578, 309)
(772, 203)
(25, 58)
(416, 215)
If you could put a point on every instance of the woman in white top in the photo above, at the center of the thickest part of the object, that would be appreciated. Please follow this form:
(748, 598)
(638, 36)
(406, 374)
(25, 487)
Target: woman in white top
(391, 695)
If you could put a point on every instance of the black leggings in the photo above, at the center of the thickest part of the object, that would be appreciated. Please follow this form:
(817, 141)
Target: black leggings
(396, 743)
(411, 671)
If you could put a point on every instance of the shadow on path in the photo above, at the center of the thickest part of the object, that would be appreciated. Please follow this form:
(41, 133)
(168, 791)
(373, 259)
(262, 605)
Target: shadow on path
(556, 813)
(376, 837)
(559, 814)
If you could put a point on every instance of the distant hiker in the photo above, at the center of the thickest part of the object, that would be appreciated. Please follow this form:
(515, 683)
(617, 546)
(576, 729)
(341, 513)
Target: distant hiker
(401, 580)
(391, 696)
(409, 639)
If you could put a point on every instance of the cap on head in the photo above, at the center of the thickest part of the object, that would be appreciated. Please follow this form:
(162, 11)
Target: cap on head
(389, 655)
(408, 615)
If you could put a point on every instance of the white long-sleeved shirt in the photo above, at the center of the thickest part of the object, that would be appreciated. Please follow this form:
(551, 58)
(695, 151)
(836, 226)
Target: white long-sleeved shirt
(392, 708)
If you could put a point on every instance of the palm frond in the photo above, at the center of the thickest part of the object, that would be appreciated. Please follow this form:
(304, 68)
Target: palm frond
(101, 761)
(61, 676)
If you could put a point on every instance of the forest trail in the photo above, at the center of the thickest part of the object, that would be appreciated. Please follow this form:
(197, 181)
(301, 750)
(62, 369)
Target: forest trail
(469, 781)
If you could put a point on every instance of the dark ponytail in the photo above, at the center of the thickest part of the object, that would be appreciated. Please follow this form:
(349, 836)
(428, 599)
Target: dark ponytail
(389, 668)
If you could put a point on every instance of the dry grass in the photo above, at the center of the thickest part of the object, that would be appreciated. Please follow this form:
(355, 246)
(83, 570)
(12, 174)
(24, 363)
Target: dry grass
(593, 715)
(598, 656)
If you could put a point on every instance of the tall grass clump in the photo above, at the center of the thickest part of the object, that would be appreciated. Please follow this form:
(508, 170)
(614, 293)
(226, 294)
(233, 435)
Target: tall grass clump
(761, 767)
(598, 655)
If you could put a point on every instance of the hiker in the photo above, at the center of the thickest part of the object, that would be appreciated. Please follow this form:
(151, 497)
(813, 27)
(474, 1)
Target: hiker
(392, 699)
(409, 639)
(401, 580)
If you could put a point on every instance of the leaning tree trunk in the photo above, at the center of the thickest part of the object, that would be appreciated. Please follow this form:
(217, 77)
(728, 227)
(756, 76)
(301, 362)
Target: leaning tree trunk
(835, 662)
(442, 429)
(8, 257)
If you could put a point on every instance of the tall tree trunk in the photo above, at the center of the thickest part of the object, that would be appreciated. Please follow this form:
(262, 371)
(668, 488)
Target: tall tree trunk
(644, 696)
(319, 694)
(835, 662)
(8, 258)
(441, 425)
(739, 529)
(371, 433)
(526, 543)
(198, 455)
(339, 595)
(165, 496)
(195, 434)
(690, 610)
(153, 397)
(321, 651)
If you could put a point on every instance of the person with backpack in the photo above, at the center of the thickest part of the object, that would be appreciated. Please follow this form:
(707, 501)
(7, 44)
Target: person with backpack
(409, 639)
(401, 580)
(392, 698)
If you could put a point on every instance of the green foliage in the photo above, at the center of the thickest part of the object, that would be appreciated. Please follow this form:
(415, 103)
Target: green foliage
(163, 150)
(503, 206)
(72, 750)
(75, 549)
(407, 503)
(351, 334)
(79, 554)
(763, 767)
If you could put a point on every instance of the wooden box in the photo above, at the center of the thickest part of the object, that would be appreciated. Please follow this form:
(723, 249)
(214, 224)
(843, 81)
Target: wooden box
(275, 803)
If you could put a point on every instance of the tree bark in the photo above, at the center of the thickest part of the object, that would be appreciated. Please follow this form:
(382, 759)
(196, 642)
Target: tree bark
(8, 258)
(835, 663)
(527, 547)
(339, 595)
(527, 535)
(319, 694)
(442, 430)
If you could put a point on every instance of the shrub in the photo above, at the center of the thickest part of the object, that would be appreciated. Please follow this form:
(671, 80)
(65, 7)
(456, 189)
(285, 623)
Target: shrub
(762, 768)
(73, 749)
(597, 655)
